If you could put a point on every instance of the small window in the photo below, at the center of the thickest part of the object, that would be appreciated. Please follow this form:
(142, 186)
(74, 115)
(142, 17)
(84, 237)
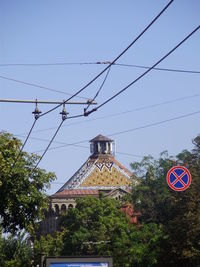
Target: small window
(57, 208)
(63, 208)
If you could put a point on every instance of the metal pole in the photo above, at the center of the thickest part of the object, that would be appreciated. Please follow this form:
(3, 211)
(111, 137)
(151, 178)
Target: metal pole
(47, 102)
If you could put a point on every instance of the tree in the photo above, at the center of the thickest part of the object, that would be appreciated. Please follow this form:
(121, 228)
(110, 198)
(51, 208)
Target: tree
(22, 186)
(15, 251)
(99, 227)
(176, 213)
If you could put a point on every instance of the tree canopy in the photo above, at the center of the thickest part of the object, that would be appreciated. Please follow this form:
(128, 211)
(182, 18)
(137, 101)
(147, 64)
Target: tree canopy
(168, 233)
(99, 227)
(15, 251)
(176, 213)
(22, 187)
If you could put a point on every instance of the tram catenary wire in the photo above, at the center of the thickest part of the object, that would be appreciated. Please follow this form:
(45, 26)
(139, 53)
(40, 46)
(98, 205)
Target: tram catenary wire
(113, 61)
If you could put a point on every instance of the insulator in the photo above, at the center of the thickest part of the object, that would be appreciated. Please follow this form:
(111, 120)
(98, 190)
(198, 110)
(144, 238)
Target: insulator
(36, 112)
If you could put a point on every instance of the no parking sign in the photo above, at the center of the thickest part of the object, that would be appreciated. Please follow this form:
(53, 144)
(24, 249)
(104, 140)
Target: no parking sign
(178, 178)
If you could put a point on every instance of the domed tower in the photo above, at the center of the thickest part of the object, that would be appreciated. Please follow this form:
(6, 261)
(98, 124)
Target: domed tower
(101, 173)
(101, 146)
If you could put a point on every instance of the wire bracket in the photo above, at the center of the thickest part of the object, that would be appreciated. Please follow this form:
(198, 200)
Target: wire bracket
(86, 113)
(64, 112)
(36, 112)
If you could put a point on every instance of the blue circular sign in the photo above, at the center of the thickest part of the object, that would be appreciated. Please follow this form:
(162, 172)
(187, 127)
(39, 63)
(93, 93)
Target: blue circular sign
(178, 178)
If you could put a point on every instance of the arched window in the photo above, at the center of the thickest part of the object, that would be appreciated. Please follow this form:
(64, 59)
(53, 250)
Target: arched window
(63, 208)
(70, 206)
(56, 208)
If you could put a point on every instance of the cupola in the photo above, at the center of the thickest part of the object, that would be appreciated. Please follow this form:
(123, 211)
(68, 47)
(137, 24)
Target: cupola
(101, 145)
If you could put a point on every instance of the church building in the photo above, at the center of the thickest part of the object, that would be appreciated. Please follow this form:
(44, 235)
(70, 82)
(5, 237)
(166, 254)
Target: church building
(100, 174)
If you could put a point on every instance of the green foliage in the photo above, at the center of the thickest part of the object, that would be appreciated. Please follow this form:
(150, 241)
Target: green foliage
(49, 246)
(144, 246)
(22, 187)
(99, 227)
(15, 251)
(177, 213)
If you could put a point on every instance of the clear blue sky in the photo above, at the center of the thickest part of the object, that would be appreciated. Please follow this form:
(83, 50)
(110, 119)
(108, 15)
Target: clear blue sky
(91, 31)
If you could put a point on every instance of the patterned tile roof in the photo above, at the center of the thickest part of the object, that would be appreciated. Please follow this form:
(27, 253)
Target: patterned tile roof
(76, 192)
(100, 173)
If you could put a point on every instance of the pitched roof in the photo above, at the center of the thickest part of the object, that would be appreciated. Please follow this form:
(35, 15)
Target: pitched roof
(99, 174)
(122, 167)
(76, 192)
(101, 137)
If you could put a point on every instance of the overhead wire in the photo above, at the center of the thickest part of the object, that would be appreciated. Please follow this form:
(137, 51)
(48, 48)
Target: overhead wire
(121, 113)
(111, 63)
(160, 69)
(46, 64)
(107, 68)
(131, 130)
(147, 71)
(39, 86)
(50, 142)
(125, 88)
(100, 88)
(101, 63)
(45, 151)
(86, 147)
(22, 147)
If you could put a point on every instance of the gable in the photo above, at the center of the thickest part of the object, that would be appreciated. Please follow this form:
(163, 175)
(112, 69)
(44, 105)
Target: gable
(106, 175)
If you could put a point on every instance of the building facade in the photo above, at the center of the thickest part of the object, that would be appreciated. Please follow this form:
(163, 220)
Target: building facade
(100, 174)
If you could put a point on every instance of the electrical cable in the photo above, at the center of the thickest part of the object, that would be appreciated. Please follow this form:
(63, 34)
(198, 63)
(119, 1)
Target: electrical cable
(121, 113)
(142, 75)
(50, 142)
(156, 123)
(21, 149)
(100, 63)
(55, 142)
(86, 147)
(104, 80)
(45, 151)
(39, 86)
(46, 64)
(131, 130)
(160, 69)
(111, 63)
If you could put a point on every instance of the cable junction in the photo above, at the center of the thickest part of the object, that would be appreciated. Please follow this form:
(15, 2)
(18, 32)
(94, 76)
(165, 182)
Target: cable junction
(112, 62)
(146, 72)
(100, 63)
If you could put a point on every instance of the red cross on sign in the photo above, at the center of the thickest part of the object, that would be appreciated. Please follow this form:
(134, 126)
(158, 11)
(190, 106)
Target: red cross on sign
(178, 178)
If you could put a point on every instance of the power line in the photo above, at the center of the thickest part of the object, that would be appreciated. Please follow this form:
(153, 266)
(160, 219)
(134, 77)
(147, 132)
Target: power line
(96, 78)
(142, 75)
(133, 129)
(21, 149)
(56, 142)
(111, 63)
(76, 145)
(46, 64)
(48, 102)
(156, 123)
(100, 88)
(160, 69)
(100, 63)
(71, 144)
(45, 151)
(123, 112)
(107, 68)
(64, 117)
(38, 86)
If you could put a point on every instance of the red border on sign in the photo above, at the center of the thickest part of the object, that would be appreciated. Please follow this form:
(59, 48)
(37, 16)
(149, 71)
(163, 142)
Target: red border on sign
(171, 171)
